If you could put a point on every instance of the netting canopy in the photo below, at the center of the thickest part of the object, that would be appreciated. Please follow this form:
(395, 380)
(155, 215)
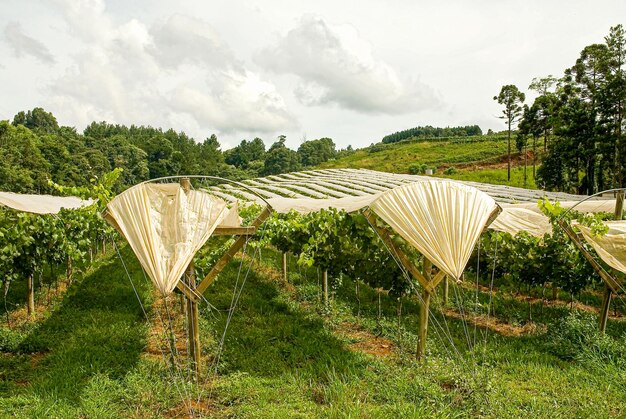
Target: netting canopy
(165, 226)
(41, 204)
(441, 219)
(611, 247)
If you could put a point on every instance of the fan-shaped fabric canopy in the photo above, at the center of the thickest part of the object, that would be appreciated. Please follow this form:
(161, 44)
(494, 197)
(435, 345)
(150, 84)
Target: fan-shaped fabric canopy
(165, 226)
(611, 247)
(441, 219)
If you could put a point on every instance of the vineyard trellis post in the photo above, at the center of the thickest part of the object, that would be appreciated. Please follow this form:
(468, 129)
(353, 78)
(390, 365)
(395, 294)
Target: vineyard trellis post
(192, 304)
(285, 266)
(325, 286)
(612, 285)
(608, 292)
(424, 309)
(425, 279)
(31, 296)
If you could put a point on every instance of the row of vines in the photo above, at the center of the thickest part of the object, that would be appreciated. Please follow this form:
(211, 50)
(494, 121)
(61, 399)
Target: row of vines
(346, 245)
(38, 249)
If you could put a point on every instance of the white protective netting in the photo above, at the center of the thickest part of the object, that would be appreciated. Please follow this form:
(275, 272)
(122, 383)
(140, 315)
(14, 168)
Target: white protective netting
(442, 220)
(165, 226)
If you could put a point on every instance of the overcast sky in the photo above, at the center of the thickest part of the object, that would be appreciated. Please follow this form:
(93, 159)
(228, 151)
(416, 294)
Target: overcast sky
(350, 70)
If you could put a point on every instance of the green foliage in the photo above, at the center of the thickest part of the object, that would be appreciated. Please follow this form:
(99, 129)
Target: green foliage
(418, 169)
(31, 242)
(280, 159)
(432, 132)
(586, 112)
(314, 152)
(339, 243)
(576, 337)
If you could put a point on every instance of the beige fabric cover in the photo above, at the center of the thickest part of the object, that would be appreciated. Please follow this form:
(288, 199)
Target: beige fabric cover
(513, 220)
(611, 247)
(307, 205)
(592, 205)
(41, 204)
(441, 219)
(232, 218)
(165, 227)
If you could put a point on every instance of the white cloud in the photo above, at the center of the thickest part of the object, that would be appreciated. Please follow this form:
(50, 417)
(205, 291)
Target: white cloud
(185, 39)
(238, 102)
(134, 73)
(23, 44)
(335, 65)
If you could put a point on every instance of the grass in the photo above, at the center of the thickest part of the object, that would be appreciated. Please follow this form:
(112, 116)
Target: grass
(496, 176)
(286, 355)
(398, 157)
(477, 159)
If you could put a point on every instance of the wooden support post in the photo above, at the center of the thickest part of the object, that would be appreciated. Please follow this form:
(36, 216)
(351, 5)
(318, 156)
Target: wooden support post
(604, 310)
(285, 267)
(226, 257)
(30, 298)
(606, 300)
(424, 310)
(445, 290)
(192, 304)
(609, 280)
(325, 287)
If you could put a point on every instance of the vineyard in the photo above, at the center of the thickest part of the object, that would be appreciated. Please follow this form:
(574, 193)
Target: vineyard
(315, 316)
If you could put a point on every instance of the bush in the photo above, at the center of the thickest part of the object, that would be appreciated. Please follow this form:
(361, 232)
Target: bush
(450, 171)
(417, 169)
(375, 148)
(10, 340)
(576, 336)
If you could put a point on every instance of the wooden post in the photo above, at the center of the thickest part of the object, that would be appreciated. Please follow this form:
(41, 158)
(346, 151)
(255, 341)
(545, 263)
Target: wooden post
(445, 290)
(230, 253)
(285, 267)
(606, 300)
(424, 310)
(30, 302)
(325, 287)
(192, 304)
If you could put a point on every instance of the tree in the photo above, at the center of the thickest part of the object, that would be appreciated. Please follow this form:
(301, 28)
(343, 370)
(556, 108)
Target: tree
(281, 159)
(245, 153)
(512, 99)
(544, 104)
(315, 152)
(37, 119)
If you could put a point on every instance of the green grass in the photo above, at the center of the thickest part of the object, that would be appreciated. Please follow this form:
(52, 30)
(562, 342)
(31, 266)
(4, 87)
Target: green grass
(496, 176)
(398, 157)
(471, 156)
(284, 356)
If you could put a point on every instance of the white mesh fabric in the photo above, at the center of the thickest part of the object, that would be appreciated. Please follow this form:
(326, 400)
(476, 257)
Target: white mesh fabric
(165, 227)
(611, 247)
(441, 219)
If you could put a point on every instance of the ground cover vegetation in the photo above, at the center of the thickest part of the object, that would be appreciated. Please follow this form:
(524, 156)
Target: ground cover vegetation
(288, 353)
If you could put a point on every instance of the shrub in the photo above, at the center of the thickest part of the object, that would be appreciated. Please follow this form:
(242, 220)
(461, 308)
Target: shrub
(450, 171)
(576, 336)
(417, 168)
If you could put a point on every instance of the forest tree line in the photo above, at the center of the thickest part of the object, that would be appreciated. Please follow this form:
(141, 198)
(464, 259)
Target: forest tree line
(577, 121)
(432, 132)
(35, 149)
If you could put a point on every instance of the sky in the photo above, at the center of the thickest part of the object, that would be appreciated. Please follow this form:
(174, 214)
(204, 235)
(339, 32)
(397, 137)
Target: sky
(353, 71)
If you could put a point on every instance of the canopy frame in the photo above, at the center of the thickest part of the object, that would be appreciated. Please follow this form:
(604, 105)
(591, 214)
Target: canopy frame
(611, 283)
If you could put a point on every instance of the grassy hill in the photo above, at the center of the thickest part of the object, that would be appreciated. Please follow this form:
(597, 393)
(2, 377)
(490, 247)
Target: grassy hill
(478, 158)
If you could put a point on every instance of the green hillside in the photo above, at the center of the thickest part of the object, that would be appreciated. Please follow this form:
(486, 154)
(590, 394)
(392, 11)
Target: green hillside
(477, 158)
